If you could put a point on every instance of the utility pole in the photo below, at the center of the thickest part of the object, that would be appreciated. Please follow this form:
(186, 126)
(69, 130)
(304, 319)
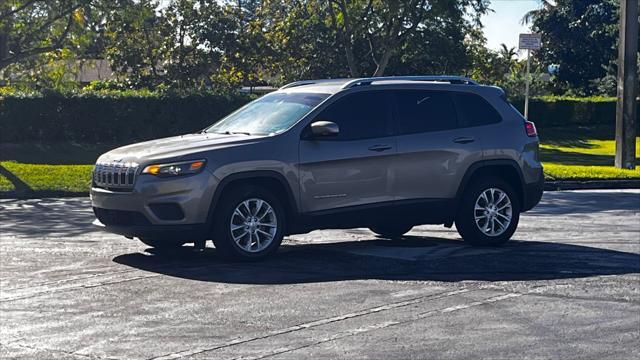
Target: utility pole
(627, 85)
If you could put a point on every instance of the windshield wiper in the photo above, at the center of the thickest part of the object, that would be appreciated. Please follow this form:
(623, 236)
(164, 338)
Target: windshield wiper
(235, 132)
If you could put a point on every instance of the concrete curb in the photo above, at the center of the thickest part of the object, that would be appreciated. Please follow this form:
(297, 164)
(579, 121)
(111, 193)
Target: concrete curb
(548, 186)
(591, 185)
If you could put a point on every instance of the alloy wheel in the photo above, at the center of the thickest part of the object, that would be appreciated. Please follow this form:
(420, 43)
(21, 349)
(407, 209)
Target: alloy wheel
(253, 225)
(493, 212)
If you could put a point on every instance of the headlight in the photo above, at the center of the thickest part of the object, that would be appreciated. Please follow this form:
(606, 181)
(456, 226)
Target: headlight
(175, 169)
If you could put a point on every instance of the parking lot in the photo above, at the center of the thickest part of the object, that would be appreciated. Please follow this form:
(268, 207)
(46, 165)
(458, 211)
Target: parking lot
(567, 286)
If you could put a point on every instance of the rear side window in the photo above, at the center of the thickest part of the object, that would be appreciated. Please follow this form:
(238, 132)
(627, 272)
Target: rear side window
(363, 115)
(473, 110)
(424, 111)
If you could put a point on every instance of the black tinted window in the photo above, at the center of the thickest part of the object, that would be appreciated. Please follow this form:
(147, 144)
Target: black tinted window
(473, 110)
(359, 116)
(424, 111)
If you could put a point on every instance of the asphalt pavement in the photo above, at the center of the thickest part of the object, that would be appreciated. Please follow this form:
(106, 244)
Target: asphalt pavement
(566, 287)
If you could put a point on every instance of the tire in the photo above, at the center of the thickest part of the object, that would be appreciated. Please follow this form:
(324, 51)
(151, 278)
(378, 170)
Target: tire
(480, 232)
(391, 231)
(257, 231)
(162, 244)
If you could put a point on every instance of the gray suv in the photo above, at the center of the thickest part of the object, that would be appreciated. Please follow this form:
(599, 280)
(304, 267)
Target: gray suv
(384, 153)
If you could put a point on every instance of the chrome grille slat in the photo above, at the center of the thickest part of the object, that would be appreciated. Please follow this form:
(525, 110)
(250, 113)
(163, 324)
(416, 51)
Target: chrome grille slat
(115, 175)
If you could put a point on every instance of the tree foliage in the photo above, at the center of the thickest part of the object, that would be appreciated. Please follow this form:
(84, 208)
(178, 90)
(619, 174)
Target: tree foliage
(219, 45)
(581, 36)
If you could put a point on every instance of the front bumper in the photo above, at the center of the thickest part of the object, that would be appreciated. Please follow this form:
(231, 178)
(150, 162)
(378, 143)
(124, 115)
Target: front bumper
(157, 232)
(135, 213)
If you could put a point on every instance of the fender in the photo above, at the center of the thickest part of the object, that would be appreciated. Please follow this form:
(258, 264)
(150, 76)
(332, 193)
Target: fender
(248, 175)
(487, 163)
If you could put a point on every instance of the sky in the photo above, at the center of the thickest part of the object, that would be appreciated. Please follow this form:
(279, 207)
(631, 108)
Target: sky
(503, 25)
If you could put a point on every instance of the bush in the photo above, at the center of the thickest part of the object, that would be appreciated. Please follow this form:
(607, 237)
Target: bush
(125, 116)
(550, 111)
(109, 117)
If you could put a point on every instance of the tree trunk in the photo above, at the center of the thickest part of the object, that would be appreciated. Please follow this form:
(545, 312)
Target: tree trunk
(383, 62)
(354, 68)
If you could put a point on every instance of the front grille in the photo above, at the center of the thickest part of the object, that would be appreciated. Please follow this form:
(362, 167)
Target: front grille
(115, 176)
(120, 217)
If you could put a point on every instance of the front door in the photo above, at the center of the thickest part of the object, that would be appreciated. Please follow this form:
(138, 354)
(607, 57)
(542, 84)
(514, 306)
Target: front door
(352, 168)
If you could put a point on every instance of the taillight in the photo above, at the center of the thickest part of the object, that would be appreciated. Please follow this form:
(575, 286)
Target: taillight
(530, 128)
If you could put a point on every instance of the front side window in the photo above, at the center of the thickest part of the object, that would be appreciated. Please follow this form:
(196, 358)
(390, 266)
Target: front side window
(421, 111)
(270, 114)
(362, 115)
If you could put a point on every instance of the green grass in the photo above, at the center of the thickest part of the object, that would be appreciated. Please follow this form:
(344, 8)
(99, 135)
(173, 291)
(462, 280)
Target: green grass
(43, 177)
(5, 184)
(580, 172)
(48, 167)
(577, 158)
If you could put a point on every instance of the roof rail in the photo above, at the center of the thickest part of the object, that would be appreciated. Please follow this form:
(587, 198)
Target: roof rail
(311, 82)
(450, 79)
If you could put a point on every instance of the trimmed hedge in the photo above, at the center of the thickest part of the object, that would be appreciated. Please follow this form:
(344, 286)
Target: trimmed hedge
(551, 111)
(110, 119)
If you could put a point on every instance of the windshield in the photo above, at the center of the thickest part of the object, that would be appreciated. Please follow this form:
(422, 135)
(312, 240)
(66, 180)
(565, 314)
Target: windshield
(270, 114)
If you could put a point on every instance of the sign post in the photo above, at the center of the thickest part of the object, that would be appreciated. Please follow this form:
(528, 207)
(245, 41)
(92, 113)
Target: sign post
(529, 42)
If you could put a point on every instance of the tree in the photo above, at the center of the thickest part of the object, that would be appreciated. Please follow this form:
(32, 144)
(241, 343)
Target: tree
(34, 27)
(213, 44)
(581, 36)
(386, 26)
(133, 42)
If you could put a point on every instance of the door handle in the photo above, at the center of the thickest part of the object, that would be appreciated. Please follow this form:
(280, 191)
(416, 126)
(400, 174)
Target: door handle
(464, 140)
(380, 148)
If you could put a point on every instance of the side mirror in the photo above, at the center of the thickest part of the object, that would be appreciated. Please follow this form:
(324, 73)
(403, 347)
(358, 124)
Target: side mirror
(324, 129)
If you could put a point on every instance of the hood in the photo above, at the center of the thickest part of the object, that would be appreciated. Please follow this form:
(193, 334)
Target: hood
(174, 147)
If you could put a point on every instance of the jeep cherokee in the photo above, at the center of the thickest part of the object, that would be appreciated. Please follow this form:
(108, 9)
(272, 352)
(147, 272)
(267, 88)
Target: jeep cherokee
(384, 153)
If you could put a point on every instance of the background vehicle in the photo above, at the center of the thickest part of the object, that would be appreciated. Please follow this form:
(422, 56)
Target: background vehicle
(384, 153)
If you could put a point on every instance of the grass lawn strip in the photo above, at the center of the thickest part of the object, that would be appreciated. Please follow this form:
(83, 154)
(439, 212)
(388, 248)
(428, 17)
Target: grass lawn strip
(579, 172)
(584, 159)
(5, 184)
(38, 177)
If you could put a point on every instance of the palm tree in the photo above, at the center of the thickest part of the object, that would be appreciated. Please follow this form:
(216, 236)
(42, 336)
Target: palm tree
(507, 53)
(532, 15)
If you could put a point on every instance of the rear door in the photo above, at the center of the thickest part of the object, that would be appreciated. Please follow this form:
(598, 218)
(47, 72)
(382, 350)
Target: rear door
(434, 147)
(352, 168)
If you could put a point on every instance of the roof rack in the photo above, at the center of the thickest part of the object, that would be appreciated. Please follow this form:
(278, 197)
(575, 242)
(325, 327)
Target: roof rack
(311, 82)
(450, 79)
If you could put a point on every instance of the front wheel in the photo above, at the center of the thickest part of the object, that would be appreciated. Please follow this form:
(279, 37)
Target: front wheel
(249, 224)
(489, 213)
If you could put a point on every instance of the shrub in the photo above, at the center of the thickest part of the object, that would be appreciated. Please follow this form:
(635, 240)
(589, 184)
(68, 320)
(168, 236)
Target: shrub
(550, 111)
(123, 116)
(109, 117)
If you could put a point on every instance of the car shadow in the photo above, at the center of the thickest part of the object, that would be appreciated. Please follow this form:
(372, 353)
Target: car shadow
(52, 217)
(438, 260)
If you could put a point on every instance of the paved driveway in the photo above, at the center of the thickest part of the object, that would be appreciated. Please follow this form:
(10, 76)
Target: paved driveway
(567, 287)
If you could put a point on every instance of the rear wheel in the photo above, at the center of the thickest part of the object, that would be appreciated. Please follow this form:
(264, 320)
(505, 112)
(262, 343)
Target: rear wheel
(489, 212)
(249, 224)
(391, 231)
